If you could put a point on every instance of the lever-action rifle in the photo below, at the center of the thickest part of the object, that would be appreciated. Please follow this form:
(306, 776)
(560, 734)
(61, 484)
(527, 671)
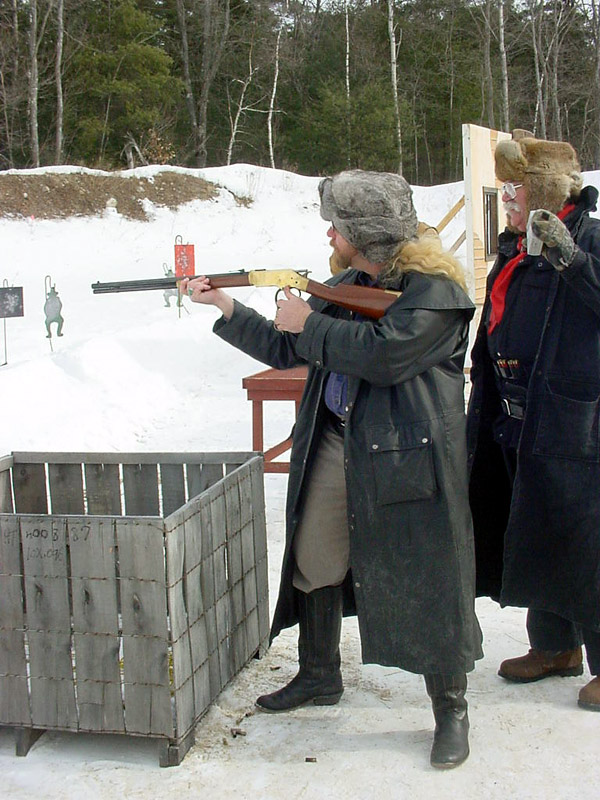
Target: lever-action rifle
(366, 300)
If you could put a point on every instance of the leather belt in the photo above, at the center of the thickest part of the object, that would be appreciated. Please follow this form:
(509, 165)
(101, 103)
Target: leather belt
(337, 423)
(512, 408)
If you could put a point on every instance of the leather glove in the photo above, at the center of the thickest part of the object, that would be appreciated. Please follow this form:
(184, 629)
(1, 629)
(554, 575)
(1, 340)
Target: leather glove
(558, 245)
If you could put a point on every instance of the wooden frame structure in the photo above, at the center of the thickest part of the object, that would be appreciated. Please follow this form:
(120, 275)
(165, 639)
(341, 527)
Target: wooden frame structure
(133, 588)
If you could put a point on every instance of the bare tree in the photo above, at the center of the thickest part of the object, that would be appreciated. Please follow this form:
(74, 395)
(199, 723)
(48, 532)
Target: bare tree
(215, 15)
(215, 30)
(60, 30)
(348, 97)
(540, 70)
(234, 120)
(35, 37)
(591, 10)
(394, 46)
(503, 68)
(486, 10)
(273, 96)
(187, 79)
(32, 100)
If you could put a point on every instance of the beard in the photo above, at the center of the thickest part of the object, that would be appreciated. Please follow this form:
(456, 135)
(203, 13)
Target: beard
(338, 262)
(511, 205)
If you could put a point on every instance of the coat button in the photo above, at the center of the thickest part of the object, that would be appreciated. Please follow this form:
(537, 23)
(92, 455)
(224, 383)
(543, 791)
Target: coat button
(424, 440)
(357, 584)
(317, 363)
(375, 447)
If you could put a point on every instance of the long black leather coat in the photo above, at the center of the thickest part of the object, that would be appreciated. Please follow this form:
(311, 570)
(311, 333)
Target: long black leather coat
(412, 578)
(539, 547)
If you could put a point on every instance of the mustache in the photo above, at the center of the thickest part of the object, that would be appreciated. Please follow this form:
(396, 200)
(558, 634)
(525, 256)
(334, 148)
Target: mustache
(511, 205)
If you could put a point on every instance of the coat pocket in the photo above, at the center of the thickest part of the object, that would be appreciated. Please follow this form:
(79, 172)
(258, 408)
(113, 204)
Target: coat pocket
(402, 463)
(568, 426)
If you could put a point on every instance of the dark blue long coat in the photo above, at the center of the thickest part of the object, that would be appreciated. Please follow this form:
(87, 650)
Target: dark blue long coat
(539, 546)
(412, 579)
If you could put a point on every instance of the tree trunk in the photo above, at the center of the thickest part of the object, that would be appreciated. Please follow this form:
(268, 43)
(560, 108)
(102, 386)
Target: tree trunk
(240, 108)
(32, 100)
(213, 43)
(60, 21)
(596, 37)
(394, 76)
(273, 96)
(503, 69)
(487, 62)
(187, 80)
(348, 99)
(540, 111)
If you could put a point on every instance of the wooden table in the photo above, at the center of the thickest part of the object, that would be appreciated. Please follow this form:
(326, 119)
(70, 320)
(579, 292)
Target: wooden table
(273, 384)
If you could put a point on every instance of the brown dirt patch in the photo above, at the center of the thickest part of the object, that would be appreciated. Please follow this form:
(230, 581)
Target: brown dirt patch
(61, 195)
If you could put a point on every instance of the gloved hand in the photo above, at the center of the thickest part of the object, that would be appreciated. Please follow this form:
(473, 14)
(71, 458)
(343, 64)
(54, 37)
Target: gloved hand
(559, 247)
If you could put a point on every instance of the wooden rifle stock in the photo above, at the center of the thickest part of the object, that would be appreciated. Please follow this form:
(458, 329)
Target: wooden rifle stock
(366, 300)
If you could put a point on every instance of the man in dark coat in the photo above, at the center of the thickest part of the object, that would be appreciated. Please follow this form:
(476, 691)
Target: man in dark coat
(378, 521)
(533, 422)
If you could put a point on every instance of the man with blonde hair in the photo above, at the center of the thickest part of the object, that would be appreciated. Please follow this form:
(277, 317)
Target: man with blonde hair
(378, 521)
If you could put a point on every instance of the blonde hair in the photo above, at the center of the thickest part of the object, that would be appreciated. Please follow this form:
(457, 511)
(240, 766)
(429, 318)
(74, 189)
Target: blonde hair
(425, 255)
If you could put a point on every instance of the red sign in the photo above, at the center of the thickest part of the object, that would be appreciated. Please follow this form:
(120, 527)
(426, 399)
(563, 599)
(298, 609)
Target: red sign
(184, 258)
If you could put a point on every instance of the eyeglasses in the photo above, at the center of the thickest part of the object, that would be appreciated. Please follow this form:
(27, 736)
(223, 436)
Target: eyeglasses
(510, 189)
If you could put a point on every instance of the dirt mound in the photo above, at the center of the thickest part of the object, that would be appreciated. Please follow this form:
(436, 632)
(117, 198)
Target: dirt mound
(59, 195)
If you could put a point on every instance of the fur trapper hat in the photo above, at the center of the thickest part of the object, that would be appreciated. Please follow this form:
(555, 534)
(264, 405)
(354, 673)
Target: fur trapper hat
(372, 210)
(549, 171)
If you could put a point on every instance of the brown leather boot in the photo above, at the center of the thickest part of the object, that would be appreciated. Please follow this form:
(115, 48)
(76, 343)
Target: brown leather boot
(538, 664)
(589, 696)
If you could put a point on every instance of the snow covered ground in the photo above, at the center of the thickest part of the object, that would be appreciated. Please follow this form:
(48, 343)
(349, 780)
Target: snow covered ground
(130, 374)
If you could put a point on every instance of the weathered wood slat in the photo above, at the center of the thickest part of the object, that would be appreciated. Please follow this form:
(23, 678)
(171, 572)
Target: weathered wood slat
(14, 695)
(14, 700)
(29, 457)
(94, 586)
(173, 487)
(224, 639)
(140, 486)
(29, 486)
(103, 490)
(66, 488)
(141, 549)
(6, 501)
(202, 476)
(148, 710)
(10, 545)
(100, 707)
(49, 621)
(92, 547)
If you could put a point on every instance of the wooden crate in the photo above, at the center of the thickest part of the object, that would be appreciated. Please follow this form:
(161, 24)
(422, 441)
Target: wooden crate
(132, 589)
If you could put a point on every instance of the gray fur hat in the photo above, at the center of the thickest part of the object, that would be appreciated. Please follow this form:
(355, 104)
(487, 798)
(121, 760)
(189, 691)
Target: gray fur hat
(372, 210)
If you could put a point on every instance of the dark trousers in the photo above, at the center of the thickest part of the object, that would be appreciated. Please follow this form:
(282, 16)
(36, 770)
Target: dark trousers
(548, 631)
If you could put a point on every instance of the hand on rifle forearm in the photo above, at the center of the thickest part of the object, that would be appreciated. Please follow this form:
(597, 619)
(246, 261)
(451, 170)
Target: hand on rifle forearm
(291, 313)
(199, 291)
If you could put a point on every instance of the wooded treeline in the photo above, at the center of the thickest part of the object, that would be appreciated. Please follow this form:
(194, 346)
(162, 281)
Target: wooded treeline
(314, 86)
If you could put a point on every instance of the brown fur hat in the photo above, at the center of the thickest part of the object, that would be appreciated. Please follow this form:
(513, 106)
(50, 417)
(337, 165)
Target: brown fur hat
(549, 171)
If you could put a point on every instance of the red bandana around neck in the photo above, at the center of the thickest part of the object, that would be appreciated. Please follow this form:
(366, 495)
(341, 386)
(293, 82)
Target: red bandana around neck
(502, 282)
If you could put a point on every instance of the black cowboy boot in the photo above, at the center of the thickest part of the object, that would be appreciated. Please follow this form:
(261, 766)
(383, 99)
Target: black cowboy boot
(319, 679)
(451, 737)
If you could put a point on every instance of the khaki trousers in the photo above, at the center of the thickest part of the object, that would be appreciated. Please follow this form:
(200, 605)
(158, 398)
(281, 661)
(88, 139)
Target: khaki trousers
(321, 545)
